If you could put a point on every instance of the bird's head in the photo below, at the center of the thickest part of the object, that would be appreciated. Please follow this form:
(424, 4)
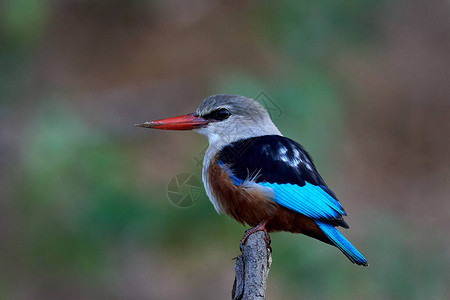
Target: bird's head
(222, 118)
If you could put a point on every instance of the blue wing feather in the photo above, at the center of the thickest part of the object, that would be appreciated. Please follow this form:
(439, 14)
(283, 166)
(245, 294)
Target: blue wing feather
(309, 200)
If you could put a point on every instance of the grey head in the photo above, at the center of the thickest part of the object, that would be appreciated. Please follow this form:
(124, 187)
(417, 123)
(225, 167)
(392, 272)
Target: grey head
(234, 117)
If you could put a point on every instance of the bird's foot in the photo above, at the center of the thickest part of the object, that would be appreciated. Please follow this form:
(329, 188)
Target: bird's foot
(260, 227)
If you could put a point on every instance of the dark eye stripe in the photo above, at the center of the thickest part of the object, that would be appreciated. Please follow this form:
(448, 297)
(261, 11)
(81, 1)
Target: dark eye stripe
(218, 114)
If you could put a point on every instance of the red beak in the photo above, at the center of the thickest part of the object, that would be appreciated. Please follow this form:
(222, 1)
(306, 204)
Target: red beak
(185, 122)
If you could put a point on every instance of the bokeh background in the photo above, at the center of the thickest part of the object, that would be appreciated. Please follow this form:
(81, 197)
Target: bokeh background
(84, 209)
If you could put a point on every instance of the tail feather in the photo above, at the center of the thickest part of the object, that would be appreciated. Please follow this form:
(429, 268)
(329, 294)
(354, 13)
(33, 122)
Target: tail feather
(341, 242)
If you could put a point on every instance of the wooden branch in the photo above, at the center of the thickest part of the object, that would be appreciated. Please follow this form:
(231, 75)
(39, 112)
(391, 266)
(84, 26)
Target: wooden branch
(252, 268)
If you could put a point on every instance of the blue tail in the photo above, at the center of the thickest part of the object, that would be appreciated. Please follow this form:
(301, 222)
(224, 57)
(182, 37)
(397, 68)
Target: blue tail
(341, 242)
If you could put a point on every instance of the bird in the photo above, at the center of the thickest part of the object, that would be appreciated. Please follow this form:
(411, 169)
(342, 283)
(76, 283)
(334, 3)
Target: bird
(259, 177)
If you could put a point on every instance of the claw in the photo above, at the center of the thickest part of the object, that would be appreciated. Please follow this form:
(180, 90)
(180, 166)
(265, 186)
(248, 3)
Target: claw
(260, 227)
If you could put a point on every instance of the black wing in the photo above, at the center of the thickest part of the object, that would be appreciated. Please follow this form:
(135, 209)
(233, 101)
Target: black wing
(274, 159)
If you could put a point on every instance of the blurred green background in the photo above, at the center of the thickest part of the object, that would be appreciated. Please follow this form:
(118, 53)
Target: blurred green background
(84, 212)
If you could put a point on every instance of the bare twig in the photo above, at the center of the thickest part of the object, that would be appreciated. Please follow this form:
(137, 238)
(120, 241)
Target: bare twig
(252, 268)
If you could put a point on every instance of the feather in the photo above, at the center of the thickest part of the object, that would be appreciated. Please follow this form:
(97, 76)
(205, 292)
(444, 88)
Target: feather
(279, 171)
(342, 244)
(309, 200)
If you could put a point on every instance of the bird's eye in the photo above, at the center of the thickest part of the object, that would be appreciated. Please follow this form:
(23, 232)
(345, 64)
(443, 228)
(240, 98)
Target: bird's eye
(218, 114)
